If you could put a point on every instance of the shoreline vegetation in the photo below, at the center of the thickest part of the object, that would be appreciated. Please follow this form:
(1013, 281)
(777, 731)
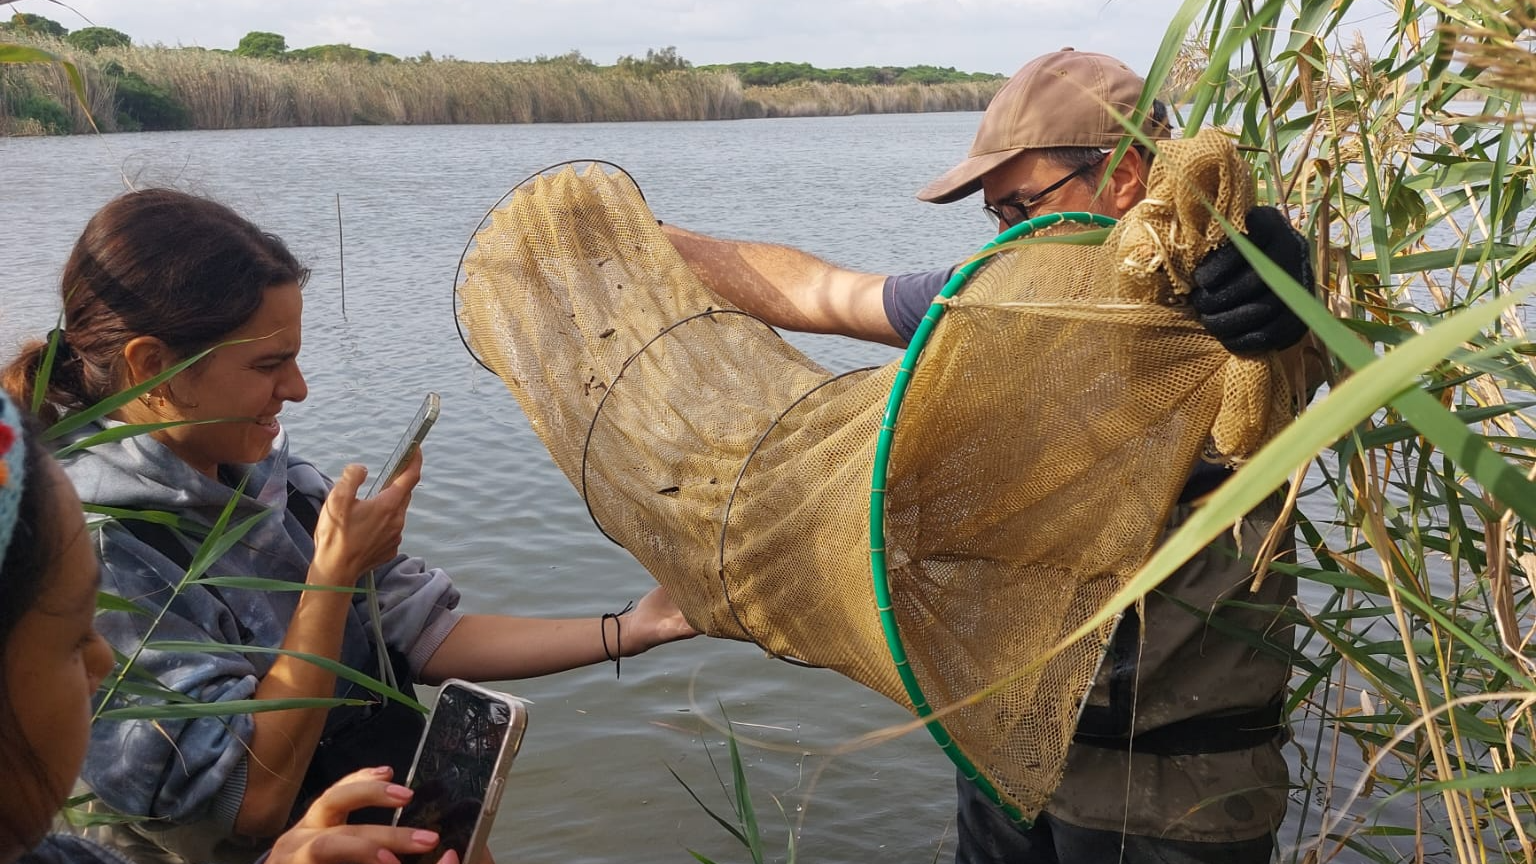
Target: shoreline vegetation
(1412, 710)
(137, 88)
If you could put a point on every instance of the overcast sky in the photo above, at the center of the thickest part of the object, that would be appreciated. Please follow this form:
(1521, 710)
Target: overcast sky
(971, 35)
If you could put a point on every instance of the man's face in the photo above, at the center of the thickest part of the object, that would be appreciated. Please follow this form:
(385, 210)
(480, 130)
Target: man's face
(1028, 174)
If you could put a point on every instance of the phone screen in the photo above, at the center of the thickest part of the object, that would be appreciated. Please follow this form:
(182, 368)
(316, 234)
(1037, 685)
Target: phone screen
(455, 768)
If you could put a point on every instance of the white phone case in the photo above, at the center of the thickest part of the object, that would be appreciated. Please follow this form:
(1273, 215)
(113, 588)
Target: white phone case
(461, 767)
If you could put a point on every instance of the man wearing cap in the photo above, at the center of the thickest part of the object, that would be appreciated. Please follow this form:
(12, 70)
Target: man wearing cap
(1177, 755)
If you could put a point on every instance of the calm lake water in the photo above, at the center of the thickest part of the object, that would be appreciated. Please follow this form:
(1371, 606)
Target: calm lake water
(592, 781)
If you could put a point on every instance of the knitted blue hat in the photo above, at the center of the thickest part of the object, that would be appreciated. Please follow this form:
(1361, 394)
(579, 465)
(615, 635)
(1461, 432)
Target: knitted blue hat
(13, 470)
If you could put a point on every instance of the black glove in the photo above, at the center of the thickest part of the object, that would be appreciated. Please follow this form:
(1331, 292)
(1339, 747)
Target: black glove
(1231, 300)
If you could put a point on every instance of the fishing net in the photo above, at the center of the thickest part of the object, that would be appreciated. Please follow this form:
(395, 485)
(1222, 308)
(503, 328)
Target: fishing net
(1047, 429)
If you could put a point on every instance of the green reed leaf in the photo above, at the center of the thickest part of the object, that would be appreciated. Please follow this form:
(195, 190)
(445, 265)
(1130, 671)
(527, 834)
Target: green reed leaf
(27, 54)
(1233, 40)
(45, 368)
(112, 603)
(338, 669)
(1382, 381)
(1168, 53)
(734, 831)
(130, 430)
(117, 400)
(159, 517)
(230, 708)
(1520, 778)
(255, 583)
(1437, 259)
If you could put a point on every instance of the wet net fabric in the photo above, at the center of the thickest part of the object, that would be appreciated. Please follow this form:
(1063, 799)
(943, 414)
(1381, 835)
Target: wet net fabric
(1050, 424)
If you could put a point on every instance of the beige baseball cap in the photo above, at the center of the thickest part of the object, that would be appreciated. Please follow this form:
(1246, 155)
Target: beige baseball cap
(1056, 100)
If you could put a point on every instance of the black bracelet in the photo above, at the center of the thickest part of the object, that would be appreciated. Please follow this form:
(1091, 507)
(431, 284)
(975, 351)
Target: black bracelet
(618, 635)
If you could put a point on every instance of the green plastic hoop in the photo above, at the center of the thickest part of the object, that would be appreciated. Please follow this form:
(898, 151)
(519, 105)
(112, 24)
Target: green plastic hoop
(877, 562)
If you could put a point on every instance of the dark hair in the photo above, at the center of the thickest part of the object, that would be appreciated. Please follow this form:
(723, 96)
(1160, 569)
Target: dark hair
(1079, 158)
(158, 262)
(35, 546)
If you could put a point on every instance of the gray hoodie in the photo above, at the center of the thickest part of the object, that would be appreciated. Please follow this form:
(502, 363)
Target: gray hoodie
(194, 770)
(68, 849)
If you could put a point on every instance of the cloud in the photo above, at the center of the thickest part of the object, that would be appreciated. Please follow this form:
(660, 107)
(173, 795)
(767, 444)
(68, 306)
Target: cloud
(332, 29)
(972, 35)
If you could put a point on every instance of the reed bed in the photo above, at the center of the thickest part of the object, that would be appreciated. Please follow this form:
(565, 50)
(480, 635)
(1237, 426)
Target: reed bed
(818, 99)
(223, 91)
(227, 92)
(51, 82)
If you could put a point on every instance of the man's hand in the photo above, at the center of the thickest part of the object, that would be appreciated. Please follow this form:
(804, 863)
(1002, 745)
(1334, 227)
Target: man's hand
(1232, 301)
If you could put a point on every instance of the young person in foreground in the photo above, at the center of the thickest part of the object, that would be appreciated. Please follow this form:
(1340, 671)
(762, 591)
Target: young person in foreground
(156, 277)
(52, 660)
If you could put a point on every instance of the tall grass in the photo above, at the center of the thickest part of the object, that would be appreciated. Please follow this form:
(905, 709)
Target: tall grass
(222, 91)
(818, 99)
(743, 822)
(63, 82)
(226, 92)
(1410, 165)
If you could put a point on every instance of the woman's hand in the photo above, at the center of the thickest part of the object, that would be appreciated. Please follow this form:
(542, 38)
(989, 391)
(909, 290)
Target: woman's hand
(655, 620)
(355, 535)
(324, 837)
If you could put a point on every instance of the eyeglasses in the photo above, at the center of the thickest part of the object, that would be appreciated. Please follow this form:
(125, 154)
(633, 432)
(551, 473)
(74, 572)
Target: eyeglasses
(1015, 208)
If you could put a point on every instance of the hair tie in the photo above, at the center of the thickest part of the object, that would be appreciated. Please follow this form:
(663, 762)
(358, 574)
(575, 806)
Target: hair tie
(13, 470)
(56, 337)
(617, 654)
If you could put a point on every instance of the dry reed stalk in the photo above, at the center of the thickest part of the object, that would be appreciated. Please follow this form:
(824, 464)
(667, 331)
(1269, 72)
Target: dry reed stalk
(1500, 43)
(52, 81)
(813, 99)
(11, 127)
(222, 91)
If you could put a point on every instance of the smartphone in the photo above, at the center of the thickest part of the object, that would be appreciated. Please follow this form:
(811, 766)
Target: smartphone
(410, 442)
(460, 768)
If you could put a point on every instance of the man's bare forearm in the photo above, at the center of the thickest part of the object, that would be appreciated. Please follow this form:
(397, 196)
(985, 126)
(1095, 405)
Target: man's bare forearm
(786, 287)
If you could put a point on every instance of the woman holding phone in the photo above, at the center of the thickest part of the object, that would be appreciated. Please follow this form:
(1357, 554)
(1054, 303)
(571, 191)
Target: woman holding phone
(157, 277)
(52, 660)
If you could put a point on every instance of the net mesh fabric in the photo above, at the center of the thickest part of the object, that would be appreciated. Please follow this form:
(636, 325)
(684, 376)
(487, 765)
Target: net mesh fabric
(1050, 423)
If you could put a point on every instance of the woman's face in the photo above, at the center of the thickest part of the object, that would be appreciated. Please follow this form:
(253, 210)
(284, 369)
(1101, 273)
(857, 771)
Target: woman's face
(54, 661)
(246, 384)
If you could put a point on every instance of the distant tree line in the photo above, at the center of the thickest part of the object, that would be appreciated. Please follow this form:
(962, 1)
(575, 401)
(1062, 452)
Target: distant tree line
(763, 74)
(262, 45)
(89, 39)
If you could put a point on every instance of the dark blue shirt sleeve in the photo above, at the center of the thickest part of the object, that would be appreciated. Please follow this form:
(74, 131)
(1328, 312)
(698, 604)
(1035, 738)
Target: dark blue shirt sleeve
(908, 296)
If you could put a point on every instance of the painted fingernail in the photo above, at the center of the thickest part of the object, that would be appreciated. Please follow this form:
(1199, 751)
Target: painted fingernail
(387, 857)
(425, 838)
(398, 792)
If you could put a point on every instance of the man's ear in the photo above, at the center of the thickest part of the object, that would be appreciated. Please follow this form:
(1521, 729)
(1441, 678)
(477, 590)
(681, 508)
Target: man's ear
(144, 357)
(1128, 182)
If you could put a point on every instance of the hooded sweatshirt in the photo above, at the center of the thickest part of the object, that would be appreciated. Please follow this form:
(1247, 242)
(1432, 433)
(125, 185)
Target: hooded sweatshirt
(192, 770)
